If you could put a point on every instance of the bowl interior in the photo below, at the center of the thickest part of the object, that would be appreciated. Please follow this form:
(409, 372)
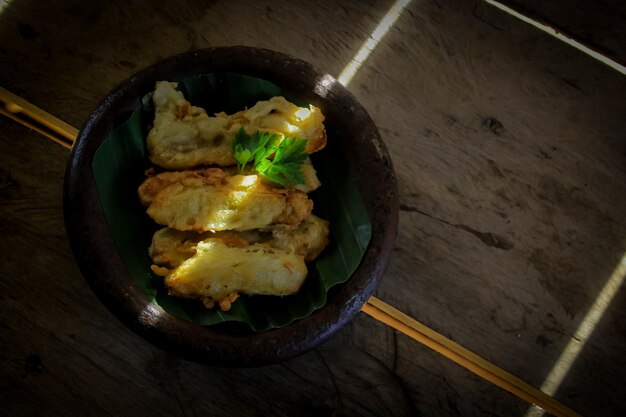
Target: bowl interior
(118, 167)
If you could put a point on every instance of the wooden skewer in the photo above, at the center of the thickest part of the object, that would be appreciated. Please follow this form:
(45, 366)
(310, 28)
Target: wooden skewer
(394, 318)
(37, 119)
(49, 126)
(37, 129)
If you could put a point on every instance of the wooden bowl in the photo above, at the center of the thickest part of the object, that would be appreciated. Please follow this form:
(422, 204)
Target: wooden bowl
(107, 273)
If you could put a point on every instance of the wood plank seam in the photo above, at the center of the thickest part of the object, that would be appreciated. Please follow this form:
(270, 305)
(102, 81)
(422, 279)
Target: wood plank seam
(65, 135)
(557, 32)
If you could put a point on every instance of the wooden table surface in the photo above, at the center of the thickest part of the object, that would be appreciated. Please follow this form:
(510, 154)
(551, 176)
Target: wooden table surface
(510, 155)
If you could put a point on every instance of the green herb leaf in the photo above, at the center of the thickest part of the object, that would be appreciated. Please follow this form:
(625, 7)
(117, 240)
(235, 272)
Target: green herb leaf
(241, 151)
(288, 155)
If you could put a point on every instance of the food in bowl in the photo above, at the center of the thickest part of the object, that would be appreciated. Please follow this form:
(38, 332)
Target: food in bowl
(210, 199)
(242, 222)
(184, 136)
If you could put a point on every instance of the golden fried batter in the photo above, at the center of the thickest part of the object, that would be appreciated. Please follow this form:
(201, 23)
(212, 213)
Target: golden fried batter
(203, 200)
(184, 136)
(311, 182)
(278, 115)
(154, 184)
(309, 239)
(171, 247)
(216, 266)
(218, 270)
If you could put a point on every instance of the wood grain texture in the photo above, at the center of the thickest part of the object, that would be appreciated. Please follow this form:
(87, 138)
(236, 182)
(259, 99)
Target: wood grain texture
(511, 160)
(510, 156)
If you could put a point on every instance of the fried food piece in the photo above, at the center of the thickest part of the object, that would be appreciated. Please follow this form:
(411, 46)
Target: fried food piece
(184, 136)
(278, 115)
(154, 184)
(311, 182)
(203, 200)
(218, 270)
(170, 247)
(309, 239)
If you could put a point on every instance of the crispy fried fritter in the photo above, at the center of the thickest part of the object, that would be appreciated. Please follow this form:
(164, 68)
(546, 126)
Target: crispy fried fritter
(154, 184)
(311, 182)
(171, 247)
(203, 200)
(184, 136)
(309, 239)
(218, 270)
(278, 115)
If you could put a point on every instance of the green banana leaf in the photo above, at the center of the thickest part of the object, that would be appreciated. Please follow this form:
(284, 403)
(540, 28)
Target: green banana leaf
(119, 166)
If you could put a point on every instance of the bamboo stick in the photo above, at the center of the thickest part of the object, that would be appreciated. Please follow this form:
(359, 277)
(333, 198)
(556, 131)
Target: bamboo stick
(394, 318)
(30, 115)
(37, 129)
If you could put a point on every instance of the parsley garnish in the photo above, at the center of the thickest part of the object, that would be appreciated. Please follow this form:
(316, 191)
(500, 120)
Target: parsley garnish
(288, 155)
